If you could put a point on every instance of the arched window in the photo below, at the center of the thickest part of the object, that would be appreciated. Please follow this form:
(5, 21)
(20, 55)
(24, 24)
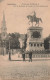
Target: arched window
(41, 45)
(31, 44)
(34, 45)
(38, 45)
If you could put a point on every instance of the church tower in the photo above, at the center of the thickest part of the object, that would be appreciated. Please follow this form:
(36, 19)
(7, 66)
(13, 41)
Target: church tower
(3, 28)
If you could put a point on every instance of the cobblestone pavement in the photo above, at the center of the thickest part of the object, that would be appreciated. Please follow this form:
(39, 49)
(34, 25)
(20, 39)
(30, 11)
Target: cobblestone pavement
(19, 70)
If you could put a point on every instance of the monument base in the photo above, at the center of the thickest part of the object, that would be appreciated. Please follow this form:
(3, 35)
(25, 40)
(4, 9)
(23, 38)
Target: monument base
(35, 41)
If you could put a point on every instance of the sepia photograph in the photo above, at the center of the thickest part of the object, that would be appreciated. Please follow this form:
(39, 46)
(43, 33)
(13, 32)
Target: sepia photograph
(24, 39)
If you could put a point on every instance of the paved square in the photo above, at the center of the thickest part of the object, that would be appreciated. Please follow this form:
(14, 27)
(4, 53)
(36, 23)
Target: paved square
(38, 69)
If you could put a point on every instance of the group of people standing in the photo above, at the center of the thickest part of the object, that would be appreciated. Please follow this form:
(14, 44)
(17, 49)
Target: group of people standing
(23, 55)
(30, 55)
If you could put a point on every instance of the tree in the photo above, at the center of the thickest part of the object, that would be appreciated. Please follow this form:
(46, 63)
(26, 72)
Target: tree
(46, 42)
(14, 41)
(25, 42)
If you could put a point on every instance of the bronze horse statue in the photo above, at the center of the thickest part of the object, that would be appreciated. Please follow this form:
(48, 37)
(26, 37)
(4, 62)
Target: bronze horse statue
(34, 19)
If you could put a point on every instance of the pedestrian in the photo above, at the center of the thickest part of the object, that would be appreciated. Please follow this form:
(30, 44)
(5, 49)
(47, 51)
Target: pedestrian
(30, 56)
(23, 55)
(9, 54)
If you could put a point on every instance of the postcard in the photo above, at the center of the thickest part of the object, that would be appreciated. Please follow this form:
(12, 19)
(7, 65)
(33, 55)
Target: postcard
(24, 39)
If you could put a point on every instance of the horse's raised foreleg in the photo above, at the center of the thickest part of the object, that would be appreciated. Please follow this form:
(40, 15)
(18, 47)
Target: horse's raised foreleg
(38, 24)
(29, 22)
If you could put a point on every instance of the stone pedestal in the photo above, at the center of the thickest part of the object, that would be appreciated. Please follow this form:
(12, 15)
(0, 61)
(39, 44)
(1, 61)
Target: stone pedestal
(35, 41)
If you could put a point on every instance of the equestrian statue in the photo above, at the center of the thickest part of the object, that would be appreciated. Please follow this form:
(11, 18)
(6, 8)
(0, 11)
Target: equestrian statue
(33, 18)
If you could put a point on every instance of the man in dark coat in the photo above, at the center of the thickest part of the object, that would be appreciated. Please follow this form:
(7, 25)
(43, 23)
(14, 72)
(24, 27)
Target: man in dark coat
(9, 54)
(23, 55)
(30, 56)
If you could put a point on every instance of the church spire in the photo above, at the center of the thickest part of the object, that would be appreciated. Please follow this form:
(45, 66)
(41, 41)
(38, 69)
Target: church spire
(3, 22)
(3, 28)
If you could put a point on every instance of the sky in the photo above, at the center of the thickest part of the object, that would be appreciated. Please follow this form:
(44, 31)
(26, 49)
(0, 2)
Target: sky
(16, 12)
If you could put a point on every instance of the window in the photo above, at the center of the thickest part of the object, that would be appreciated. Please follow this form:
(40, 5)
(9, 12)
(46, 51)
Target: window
(31, 44)
(34, 44)
(41, 45)
(38, 45)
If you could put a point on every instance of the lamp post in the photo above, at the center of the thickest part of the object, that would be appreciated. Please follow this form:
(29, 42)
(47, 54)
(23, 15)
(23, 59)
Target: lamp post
(9, 49)
(3, 47)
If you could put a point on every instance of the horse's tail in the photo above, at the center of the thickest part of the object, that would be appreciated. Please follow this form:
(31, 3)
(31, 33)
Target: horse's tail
(40, 19)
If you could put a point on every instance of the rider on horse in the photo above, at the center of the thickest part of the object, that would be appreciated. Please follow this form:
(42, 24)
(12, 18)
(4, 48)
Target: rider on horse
(34, 19)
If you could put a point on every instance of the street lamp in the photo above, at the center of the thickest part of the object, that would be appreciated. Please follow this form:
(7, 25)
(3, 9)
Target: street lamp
(3, 47)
